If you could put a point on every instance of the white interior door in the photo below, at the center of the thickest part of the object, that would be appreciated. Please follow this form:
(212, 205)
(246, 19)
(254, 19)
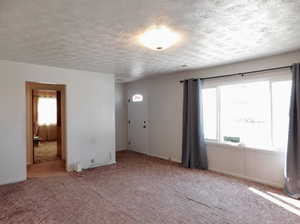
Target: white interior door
(137, 122)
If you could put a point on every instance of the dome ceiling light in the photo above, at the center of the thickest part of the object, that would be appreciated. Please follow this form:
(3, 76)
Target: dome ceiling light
(158, 38)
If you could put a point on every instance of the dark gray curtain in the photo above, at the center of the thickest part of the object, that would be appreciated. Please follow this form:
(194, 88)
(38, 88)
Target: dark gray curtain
(292, 171)
(194, 154)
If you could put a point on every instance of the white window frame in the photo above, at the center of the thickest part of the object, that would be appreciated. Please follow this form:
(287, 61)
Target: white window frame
(271, 77)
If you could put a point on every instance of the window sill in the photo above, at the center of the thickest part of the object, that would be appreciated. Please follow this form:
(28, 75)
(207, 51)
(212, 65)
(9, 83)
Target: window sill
(238, 146)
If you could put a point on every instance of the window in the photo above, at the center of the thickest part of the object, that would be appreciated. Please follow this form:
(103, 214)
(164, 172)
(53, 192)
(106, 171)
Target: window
(245, 113)
(210, 113)
(137, 98)
(254, 113)
(47, 111)
(281, 92)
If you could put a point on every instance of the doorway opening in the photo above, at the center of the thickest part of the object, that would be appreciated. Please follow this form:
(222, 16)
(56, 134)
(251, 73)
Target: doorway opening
(46, 144)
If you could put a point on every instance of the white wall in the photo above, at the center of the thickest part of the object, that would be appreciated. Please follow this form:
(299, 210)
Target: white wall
(89, 108)
(165, 123)
(121, 116)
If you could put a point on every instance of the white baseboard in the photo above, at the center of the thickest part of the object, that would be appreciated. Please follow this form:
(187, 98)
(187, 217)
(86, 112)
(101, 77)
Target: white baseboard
(119, 150)
(102, 164)
(12, 181)
(163, 157)
(257, 180)
(72, 168)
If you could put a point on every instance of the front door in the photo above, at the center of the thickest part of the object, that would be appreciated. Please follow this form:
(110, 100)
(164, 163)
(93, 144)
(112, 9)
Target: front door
(137, 121)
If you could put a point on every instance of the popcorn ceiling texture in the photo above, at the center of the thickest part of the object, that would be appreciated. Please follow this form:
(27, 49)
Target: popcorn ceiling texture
(101, 35)
(140, 189)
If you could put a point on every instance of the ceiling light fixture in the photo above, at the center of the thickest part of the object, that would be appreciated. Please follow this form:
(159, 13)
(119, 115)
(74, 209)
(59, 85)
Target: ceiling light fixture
(159, 38)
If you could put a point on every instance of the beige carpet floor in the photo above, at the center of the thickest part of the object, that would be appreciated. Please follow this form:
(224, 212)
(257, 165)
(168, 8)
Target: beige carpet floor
(141, 189)
(46, 151)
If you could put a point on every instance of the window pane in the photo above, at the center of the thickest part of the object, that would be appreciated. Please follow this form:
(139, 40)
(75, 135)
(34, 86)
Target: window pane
(281, 92)
(137, 98)
(245, 114)
(47, 112)
(210, 113)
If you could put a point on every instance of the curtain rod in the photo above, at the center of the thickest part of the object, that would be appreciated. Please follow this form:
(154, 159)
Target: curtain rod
(241, 73)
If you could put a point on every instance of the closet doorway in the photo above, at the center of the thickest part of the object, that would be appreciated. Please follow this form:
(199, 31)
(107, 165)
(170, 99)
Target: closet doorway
(46, 131)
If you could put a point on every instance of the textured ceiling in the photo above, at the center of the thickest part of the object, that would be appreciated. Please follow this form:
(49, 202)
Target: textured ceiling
(100, 35)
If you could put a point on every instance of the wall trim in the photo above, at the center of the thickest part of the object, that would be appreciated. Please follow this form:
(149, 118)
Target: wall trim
(13, 181)
(162, 157)
(119, 150)
(257, 180)
(101, 164)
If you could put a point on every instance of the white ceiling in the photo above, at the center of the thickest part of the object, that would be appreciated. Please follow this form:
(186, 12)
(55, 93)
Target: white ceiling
(99, 35)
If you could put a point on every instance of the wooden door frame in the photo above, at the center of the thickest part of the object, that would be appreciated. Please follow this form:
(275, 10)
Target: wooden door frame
(30, 87)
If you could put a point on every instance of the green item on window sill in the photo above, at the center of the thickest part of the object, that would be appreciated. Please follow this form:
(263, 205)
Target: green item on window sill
(231, 139)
